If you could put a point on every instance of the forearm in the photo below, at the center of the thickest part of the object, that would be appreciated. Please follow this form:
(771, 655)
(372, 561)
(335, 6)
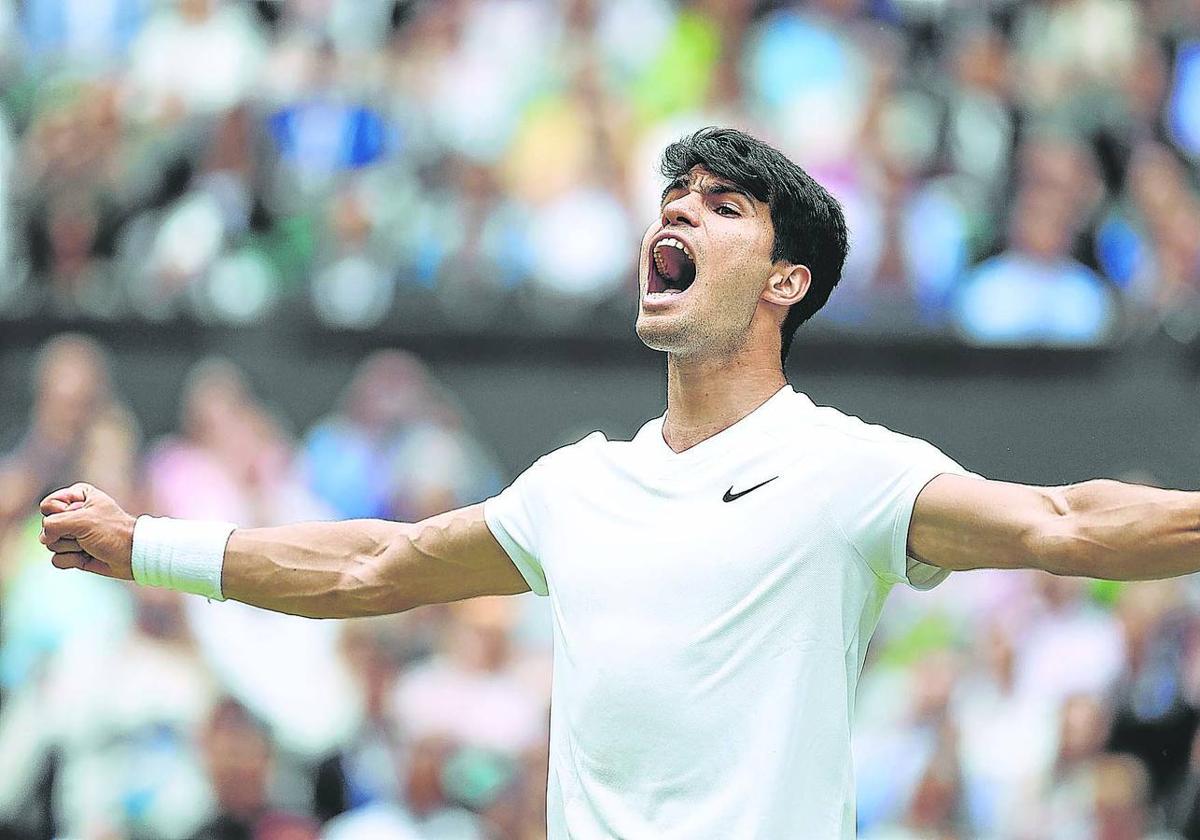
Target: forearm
(315, 569)
(364, 567)
(1108, 529)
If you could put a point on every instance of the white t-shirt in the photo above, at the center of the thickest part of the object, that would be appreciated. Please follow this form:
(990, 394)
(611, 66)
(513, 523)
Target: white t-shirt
(711, 613)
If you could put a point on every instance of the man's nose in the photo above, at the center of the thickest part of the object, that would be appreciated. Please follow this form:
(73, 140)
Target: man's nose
(681, 211)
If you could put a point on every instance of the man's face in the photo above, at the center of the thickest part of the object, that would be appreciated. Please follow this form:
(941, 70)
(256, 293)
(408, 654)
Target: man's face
(704, 263)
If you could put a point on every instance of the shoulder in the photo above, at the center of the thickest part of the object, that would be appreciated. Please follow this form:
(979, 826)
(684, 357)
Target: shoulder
(848, 449)
(832, 426)
(573, 455)
(586, 446)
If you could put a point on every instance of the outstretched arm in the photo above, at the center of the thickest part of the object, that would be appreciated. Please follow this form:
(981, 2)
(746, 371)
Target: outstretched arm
(1104, 529)
(315, 569)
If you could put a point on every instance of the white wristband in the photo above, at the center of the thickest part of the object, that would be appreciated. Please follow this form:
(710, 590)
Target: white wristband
(180, 554)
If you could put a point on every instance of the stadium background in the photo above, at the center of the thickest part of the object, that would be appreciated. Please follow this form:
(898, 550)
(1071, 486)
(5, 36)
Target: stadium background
(283, 260)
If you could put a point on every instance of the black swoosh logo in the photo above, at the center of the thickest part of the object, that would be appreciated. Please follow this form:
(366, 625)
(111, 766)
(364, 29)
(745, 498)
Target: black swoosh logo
(731, 496)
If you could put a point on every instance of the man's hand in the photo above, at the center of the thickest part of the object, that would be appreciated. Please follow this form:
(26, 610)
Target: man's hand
(87, 530)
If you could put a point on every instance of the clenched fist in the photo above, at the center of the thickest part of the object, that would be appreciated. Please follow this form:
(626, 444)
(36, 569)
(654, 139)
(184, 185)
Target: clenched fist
(87, 530)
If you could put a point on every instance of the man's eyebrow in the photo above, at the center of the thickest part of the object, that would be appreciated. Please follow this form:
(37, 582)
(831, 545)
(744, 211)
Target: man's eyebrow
(712, 188)
(725, 187)
(678, 184)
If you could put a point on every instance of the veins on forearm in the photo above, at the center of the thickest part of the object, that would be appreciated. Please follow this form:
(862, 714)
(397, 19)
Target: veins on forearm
(1132, 532)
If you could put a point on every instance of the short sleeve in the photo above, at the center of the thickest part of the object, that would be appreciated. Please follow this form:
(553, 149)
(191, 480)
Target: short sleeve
(512, 517)
(882, 477)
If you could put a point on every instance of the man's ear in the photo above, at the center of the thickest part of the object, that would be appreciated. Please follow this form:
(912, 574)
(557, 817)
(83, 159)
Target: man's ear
(788, 285)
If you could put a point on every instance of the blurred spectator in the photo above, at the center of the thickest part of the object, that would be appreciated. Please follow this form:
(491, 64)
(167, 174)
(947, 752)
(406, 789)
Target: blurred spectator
(77, 278)
(386, 782)
(74, 174)
(491, 252)
(234, 463)
(1034, 293)
(428, 812)
(570, 265)
(1071, 50)
(238, 753)
(33, 628)
(355, 280)
(215, 248)
(71, 401)
(807, 69)
(233, 460)
(980, 119)
(369, 766)
(1153, 716)
(195, 57)
(1067, 807)
(934, 810)
(90, 35)
(112, 720)
(321, 134)
(991, 716)
(344, 453)
(473, 691)
(1146, 240)
(397, 449)
(475, 66)
(908, 777)
(1071, 646)
(78, 431)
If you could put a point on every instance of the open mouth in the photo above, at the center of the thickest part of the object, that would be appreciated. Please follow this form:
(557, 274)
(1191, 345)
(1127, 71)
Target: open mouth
(672, 267)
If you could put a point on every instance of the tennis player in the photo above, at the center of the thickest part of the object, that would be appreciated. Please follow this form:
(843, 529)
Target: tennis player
(714, 581)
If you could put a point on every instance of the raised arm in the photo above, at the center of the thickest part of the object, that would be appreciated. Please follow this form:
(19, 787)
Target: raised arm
(315, 569)
(1103, 529)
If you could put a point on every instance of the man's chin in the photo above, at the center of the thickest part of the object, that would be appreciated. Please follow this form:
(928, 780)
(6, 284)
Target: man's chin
(661, 332)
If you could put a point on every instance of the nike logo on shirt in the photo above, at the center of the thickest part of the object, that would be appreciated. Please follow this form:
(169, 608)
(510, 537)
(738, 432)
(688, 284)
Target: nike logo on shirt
(731, 496)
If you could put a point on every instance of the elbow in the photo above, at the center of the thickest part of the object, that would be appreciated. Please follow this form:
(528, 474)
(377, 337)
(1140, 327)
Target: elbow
(1064, 540)
(1054, 541)
(370, 582)
(1056, 548)
(361, 591)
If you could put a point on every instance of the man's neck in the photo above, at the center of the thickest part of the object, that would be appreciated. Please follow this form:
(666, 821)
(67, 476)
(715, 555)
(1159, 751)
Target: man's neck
(706, 396)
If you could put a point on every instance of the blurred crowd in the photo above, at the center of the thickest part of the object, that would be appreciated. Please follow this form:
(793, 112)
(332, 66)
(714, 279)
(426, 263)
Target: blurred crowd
(1025, 706)
(138, 713)
(1014, 172)
(1001, 705)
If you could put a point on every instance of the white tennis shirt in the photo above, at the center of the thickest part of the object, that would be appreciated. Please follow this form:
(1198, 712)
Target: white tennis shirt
(708, 637)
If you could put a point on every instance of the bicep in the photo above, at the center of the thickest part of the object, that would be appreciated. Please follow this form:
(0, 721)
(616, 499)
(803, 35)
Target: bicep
(449, 557)
(961, 523)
